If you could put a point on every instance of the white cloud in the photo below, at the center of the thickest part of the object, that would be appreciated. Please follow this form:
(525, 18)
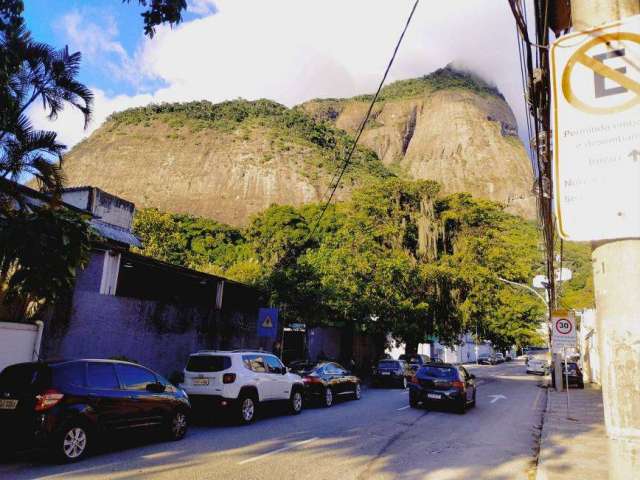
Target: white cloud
(201, 7)
(293, 50)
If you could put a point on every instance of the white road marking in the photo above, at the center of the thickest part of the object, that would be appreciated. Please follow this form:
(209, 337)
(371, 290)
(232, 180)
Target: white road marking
(288, 447)
(403, 408)
(497, 397)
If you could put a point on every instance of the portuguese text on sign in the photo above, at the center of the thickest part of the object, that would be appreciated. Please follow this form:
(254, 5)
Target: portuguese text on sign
(596, 108)
(563, 326)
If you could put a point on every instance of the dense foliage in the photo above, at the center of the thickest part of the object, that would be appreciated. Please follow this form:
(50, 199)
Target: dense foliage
(424, 264)
(286, 126)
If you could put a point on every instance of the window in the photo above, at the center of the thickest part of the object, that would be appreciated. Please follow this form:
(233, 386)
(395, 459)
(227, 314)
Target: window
(69, 374)
(208, 363)
(134, 378)
(448, 373)
(102, 375)
(388, 364)
(275, 366)
(255, 363)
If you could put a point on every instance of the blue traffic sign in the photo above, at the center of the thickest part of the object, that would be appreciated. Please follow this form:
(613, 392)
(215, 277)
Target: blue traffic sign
(268, 322)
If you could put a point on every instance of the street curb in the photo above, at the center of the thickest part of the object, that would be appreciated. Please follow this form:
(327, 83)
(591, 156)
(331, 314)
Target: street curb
(541, 469)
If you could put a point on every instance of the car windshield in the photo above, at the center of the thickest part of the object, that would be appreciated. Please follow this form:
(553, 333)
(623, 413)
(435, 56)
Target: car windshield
(388, 364)
(23, 378)
(438, 372)
(208, 363)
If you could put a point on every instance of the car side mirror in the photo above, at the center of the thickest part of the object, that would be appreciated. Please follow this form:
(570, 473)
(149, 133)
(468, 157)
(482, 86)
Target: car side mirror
(155, 387)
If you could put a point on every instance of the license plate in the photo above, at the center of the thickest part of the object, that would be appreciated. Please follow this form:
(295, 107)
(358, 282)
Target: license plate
(386, 373)
(435, 396)
(201, 381)
(8, 404)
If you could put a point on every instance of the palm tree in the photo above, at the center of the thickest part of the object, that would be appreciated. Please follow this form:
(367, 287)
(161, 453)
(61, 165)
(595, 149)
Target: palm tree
(31, 73)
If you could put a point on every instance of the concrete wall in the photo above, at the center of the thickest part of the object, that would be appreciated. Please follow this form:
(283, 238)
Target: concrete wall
(19, 342)
(589, 351)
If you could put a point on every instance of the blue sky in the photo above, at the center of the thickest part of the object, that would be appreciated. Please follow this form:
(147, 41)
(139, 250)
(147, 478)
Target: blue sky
(286, 50)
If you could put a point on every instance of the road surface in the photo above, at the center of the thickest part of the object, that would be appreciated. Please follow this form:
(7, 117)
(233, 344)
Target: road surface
(378, 437)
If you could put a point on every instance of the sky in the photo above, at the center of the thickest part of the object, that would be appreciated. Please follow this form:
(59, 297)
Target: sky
(285, 50)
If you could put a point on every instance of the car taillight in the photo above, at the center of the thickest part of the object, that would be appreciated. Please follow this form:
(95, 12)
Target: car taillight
(228, 378)
(310, 379)
(458, 384)
(413, 379)
(47, 399)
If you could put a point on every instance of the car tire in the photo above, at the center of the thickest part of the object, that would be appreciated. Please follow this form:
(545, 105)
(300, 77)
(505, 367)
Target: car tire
(357, 393)
(71, 443)
(247, 406)
(295, 401)
(177, 425)
(327, 397)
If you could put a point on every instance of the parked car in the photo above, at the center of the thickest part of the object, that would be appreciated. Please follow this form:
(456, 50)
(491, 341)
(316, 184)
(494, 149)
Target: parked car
(324, 382)
(65, 406)
(538, 366)
(390, 372)
(499, 357)
(573, 372)
(415, 361)
(485, 359)
(443, 384)
(240, 381)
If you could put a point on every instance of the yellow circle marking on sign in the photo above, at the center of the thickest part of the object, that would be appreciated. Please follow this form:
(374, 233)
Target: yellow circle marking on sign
(580, 56)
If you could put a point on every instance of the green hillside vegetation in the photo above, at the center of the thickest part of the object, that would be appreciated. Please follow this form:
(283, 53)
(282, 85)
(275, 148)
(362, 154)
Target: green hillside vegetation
(286, 126)
(425, 264)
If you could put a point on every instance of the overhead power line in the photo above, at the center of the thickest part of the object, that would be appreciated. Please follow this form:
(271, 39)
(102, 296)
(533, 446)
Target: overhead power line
(363, 124)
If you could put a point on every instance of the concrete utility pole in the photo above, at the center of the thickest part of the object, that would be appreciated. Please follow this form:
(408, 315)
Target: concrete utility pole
(616, 270)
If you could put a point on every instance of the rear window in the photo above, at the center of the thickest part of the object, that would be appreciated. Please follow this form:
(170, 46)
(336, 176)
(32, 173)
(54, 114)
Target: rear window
(26, 377)
(208, 363)
(439, 372)
(388, 364)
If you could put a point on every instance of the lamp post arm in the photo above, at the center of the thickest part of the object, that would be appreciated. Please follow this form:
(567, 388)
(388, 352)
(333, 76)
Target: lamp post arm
(522, 285)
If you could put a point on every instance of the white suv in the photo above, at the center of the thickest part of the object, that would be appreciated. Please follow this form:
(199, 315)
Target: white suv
(240, 380)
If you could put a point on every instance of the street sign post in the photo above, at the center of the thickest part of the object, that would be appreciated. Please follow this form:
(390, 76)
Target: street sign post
(596, 109)
(563, 330)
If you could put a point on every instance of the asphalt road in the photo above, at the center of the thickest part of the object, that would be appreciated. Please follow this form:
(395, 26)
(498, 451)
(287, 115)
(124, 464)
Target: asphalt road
(378, 437)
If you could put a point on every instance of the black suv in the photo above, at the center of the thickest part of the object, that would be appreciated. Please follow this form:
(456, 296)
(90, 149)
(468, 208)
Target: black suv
(444, 384)
(391, 372)
(64, 406)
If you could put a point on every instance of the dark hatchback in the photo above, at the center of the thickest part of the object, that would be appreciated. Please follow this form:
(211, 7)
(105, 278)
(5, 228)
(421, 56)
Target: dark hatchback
(65, 406)
(443, 384)
(389, 372)
(328, 381)
(574, 374)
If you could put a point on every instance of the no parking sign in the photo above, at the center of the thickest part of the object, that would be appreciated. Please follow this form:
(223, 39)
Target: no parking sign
(563, 326)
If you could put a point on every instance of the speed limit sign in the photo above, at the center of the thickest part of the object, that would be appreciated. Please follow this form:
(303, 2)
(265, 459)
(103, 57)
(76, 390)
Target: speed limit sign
(563, 325)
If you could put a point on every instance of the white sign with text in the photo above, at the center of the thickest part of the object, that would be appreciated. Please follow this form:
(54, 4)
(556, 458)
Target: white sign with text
(563, 330)
(596, 110)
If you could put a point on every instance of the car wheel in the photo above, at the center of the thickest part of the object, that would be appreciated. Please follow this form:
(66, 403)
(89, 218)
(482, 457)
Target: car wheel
(327, 398)
(246, 409)
(72, 443)
(413, 400)
(403, 384)
(357, 393)
(295, 402)
(178, 424)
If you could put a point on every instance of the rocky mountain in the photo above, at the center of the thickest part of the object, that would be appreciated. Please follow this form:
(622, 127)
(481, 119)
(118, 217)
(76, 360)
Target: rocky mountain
(230, 160)
(447, 126)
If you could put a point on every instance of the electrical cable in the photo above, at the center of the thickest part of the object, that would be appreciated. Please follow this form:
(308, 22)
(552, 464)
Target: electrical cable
(363, 124)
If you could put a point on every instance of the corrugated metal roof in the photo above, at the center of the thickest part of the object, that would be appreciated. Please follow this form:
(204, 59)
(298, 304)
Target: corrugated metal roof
(118, 234)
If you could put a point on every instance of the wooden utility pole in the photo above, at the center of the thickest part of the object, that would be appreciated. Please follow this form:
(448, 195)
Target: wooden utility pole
(616, 270)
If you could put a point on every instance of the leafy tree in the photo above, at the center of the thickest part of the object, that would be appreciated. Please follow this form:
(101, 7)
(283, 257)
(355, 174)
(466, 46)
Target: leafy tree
(41, 249)
(159, 12)
(33, 72)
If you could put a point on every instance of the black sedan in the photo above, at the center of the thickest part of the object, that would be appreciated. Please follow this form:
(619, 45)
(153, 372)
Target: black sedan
(65, 406)
(327, 381)
(443, 384)
(390, 372)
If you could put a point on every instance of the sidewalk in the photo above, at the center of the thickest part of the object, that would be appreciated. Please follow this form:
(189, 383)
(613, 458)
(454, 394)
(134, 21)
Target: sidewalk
(576, 447)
